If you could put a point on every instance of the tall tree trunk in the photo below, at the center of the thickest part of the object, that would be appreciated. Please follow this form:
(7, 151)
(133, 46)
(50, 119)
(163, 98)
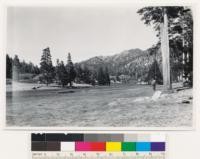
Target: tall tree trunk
(165, 53)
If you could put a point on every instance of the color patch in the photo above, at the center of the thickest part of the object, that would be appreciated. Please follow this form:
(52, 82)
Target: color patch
(143, 146)
(113, 146)
(91, 137)
(98, 142)
(143, 137)
(67, 146)
(90, 146)
(158, 138)
(128, 146)
(117, 137)
(157, 146)
(104, 137)
(64, 137)
(53, 146)
(38, 146)
(38, 137)
(98, 146)
(130, 137)
(82, 146)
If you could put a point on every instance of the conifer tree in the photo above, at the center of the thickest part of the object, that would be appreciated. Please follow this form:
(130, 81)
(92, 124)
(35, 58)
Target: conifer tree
(62, 74)
(100, 76)
(86, 77)
(46, 67)
(70, 70)
(8, 66)
(154, 73)
(179, 29)
(103, 76)
(107, 77)
(79, 73)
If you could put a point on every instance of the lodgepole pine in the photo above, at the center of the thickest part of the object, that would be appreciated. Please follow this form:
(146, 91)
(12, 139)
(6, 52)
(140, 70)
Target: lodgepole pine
(165, 52)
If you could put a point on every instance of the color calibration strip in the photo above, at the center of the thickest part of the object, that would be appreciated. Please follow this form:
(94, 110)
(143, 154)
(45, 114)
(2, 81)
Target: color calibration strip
(65, 146)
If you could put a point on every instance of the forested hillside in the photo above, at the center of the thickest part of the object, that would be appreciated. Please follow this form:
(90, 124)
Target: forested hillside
(135, 63)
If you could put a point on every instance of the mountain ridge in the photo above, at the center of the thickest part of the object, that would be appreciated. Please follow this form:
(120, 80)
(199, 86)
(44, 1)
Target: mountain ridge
(133, 62)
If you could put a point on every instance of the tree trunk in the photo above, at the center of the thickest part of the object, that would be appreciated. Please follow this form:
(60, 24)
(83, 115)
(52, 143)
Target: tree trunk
(165, 53)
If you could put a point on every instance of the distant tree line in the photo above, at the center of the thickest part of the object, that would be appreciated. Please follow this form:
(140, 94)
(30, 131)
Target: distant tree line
(84, 75)
(19, 67)
(66, 74)
(62, 74)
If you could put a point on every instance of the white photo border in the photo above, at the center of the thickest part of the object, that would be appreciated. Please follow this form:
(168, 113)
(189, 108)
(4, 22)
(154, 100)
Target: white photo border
(4, 6)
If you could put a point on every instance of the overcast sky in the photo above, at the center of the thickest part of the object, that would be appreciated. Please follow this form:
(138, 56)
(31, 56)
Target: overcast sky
(83, 31)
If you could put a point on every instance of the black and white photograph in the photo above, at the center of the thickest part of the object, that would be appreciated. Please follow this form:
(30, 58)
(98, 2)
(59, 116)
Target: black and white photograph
(99, 66)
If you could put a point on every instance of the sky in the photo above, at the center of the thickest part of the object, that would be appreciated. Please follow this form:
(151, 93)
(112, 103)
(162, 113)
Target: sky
(85, 32)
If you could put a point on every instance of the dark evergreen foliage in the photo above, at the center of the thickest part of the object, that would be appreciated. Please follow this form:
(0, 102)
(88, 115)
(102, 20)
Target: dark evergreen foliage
(62, 74)
(9, 62)
(70, 69)
(154, 73)
(46, 67)
(84, 75)
(15, 69)
(65, 74)
(180, 35)
(103, 76)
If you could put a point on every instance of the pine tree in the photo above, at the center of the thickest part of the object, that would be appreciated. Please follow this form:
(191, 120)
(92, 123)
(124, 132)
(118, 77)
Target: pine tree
(103, 76)
(69, 59)
(70, 69)
(79, 73)
(86, 75)
(63, 74)
(100, 76)
(46, 67)
(36, 70)
(8, 66)
(180, 30)
(107, 77)
(158, 16)
(154, 73)
(23, 67)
